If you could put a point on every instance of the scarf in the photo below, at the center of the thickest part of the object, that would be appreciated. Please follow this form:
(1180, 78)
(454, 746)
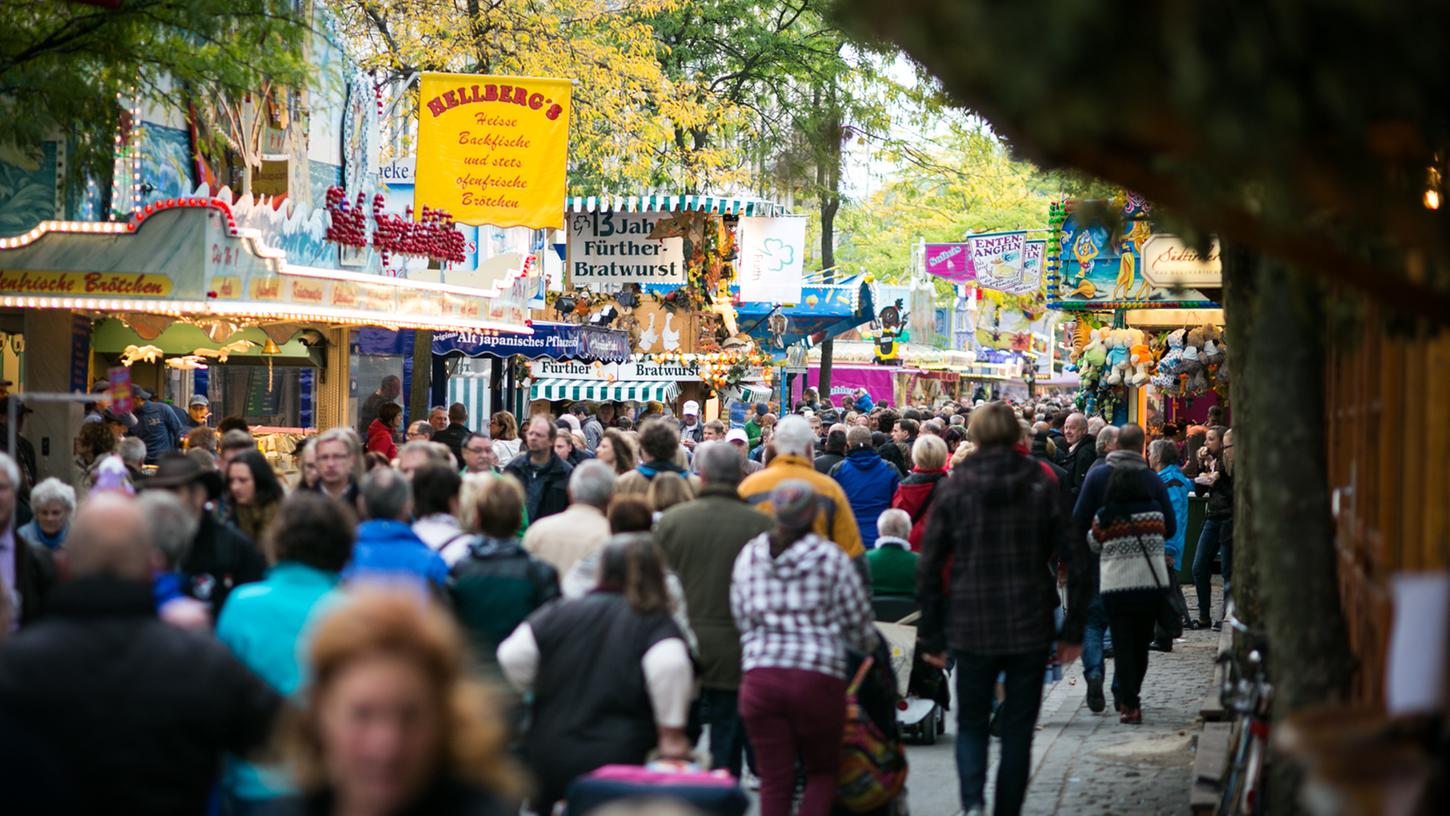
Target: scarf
(1127, 459)
(652, 469)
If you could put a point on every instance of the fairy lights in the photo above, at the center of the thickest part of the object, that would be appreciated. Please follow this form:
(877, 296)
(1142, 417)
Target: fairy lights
(251, 310)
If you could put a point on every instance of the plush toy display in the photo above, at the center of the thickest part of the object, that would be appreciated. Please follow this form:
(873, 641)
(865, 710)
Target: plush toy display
(1142, 359)
(1119, 341)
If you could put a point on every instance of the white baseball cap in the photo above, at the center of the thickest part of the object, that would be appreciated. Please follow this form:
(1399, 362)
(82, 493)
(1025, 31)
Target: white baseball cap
(691, 408)
(737, 435)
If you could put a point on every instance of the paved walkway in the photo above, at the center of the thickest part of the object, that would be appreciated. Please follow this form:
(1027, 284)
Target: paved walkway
(1090, 763)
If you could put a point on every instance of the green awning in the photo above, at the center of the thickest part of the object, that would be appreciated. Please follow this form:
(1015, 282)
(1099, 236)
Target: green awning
(599, 391)
(751, 392)
(720, 205)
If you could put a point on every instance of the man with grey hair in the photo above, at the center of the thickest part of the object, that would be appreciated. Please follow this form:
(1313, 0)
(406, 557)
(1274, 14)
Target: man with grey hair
(172, 527)
(794, 440)
(1081, 452)
(386, 547)
(1107, 442)
(701, 540)
(129, 714)
(564, 538)
(133, 454)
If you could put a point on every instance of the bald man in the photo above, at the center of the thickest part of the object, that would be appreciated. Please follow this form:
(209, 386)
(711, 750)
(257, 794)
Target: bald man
(132, 715)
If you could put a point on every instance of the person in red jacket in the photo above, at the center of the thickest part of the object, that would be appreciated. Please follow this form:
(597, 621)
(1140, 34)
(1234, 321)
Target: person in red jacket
(916, 493)
(382, 431)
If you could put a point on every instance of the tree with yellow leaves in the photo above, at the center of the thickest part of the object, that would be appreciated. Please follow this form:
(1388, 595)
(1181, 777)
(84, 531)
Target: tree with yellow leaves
(625, 108)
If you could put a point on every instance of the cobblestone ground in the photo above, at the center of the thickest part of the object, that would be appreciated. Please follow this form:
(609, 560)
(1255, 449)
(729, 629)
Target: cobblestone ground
(1090, 763)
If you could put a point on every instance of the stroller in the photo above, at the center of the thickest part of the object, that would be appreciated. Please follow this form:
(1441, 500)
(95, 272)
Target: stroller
(921, 712)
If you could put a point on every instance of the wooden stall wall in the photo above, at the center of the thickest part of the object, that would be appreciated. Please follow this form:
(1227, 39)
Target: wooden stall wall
(1388, 402)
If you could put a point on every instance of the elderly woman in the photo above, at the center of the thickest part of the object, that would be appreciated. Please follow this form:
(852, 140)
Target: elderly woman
(798, 602)
(916, 493)
(53, 502)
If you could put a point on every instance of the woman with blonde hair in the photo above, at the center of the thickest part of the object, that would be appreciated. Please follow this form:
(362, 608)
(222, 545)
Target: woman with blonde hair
(667, 490)
(392, 724)
(503, 428)
(617, 450)
(917, 491)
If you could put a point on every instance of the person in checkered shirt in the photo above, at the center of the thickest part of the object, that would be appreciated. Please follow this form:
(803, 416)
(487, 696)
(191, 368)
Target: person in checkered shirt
(798, 602)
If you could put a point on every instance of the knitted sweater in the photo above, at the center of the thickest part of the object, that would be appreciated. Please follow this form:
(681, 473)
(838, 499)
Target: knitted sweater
(1128, 536)
(1130, 549)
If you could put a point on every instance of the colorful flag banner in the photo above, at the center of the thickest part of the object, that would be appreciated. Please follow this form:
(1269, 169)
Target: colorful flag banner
(996, 259)
(492, 150)
(950, 261)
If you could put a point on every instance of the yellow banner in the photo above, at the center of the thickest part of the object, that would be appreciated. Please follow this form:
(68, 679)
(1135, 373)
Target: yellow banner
(492, 150)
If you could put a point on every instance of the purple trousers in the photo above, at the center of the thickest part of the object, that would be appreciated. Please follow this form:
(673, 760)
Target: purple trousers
(794, 716)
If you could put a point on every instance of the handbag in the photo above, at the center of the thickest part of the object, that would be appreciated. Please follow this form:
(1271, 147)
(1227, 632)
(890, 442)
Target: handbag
(873, 768)
(1169, 617)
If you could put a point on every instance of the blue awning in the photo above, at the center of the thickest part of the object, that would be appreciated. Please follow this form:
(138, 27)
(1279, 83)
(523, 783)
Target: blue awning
(556, 341)
(837, 309)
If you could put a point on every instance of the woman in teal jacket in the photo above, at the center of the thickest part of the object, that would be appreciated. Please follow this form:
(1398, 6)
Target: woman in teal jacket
(1163, 459)
(266, 623)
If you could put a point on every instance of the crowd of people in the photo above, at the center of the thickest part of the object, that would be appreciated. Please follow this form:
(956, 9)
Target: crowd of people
(459, 618)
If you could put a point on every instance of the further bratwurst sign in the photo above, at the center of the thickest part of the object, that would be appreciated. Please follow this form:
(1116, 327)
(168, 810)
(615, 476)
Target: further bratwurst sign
(492, 150)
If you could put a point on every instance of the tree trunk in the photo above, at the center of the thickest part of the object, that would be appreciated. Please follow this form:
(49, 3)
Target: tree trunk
(828, 185)
(1294, 562)
(420, 394)
(1240, 284)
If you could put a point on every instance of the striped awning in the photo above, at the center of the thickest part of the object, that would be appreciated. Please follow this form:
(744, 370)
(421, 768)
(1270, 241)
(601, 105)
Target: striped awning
(721, 205)
(751, 392)
(596, 391)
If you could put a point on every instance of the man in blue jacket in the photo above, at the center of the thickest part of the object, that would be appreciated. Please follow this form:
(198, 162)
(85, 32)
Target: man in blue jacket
(387, 548)
(156, 425)
(868, 480)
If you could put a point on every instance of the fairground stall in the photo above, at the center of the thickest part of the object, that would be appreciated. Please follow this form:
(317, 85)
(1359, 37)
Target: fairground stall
(1147, 329)
(237, 252)
(787, 331)
(1000, 316)
(668, 272)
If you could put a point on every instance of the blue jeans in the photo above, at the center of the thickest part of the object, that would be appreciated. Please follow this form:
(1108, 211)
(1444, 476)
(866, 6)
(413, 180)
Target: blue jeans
(1096, 638)
(1217, 534)
(720, 709)
(1017, 720)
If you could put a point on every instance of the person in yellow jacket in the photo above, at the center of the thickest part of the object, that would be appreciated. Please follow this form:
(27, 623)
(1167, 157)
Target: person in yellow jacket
(793, 442)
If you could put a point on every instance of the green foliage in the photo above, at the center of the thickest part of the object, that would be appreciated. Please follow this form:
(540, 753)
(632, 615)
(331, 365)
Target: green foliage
(967, 184)
(64, 64)
(1308, 130)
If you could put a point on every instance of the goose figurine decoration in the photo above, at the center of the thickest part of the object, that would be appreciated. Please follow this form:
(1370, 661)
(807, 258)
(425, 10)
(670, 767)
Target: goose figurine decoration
(649, 336)
(671, 341)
